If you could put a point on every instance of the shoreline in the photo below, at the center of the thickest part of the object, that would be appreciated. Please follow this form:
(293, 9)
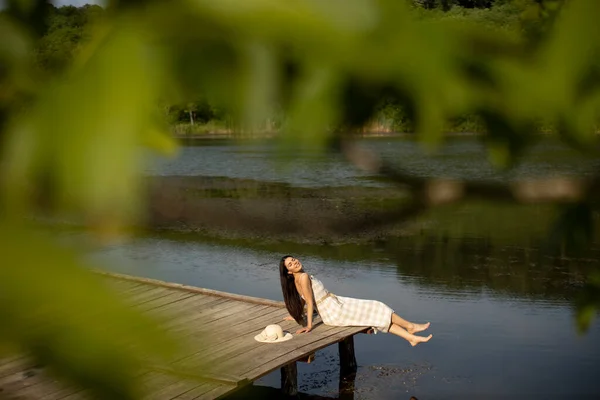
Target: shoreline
(273, 135)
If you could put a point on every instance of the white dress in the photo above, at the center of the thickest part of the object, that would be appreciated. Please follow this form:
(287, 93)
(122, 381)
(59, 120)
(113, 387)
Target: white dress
(345, 311)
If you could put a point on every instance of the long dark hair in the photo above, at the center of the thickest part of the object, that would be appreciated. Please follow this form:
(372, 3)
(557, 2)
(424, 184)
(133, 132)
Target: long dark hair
(291, 297)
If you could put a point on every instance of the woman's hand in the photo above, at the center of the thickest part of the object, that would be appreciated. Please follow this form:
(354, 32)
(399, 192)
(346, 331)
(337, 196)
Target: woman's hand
(304, 330)
(289, 318)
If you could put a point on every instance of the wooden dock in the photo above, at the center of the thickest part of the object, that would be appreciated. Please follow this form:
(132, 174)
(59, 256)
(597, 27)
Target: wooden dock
(218, 329)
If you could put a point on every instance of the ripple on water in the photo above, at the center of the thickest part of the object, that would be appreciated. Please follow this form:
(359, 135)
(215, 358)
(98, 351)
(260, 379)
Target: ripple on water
(390, 379)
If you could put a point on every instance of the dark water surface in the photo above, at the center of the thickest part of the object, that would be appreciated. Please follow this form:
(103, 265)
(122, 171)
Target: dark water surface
(458, 158)
(501, 310)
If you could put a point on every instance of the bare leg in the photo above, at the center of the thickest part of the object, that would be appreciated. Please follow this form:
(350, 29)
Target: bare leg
(411, 327)
(412, 339)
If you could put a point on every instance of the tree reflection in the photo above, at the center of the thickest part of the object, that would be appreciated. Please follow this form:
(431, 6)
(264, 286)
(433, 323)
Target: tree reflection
(465, 264)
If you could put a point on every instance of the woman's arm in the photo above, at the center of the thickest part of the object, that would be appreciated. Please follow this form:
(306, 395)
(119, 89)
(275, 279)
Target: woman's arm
(308, 297)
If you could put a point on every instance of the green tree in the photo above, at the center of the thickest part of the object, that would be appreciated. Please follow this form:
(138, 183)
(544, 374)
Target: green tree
(68, 28)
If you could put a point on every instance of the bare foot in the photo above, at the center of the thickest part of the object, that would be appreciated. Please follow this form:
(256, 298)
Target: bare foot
(415, 340)
(417, 328)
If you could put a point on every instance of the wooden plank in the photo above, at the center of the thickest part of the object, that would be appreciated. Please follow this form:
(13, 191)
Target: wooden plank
(8, 358)
(179, 387)
(37, 386)
(245, 355)
(185, 307)
(245, 341)
(163, 300)
(115, 282)
(80, 395)
(226, 321)
(249, 353)
(19, 381)
(54, 389)
(199, 391)
(15, 359)
(213, 345)
(215, 393)
(202, 376)
(45, 385)
(141, 288)
(210, 321)
(184, 310)
(219, 306)
(180, 319)
(220, 327)
(261, 369)
(60, 391)
(121, 286)
(241, 349)
(224, 340)
(63, 392)
(17, 365)
(138, 289)
(155, 381)
(145, 295)
(187, 382)
(194, 289)
(203, 299)
(270, 316)
(233, 322)
(191, 394)
(194, 393)
(231, 310)
(40, 383)
(198, 317)
(199, 313)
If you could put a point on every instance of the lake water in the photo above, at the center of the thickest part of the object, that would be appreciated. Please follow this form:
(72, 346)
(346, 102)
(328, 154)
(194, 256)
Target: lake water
(501, 310)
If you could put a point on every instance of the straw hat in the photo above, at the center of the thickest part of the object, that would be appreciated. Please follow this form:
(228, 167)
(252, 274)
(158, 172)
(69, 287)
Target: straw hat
(273, 334)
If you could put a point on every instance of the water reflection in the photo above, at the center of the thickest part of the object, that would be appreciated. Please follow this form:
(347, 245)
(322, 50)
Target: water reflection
(493, 333)
(456, 267)
(461, 157)
(499, 296)
(466, 264)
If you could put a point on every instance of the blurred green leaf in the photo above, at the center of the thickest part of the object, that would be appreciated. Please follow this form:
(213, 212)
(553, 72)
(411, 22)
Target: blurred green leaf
(56, 308)
(74, 141)
(160, 141)
(573, 229)
(258, 89)
(313, 113)
(84, 132)
(588, 302)
(585, 315)
(31, 13)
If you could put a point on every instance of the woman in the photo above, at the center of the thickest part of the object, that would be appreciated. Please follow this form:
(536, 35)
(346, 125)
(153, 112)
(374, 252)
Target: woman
(300, 288)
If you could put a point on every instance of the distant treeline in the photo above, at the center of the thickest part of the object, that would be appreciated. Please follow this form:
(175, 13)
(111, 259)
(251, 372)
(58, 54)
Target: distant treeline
(68, 28)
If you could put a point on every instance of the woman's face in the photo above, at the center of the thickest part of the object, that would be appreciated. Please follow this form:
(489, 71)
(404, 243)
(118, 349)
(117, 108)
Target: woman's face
(293, 265)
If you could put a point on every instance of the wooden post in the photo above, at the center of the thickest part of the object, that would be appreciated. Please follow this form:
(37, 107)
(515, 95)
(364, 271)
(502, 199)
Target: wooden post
(347, 358)
(346, 387)
(289, 379)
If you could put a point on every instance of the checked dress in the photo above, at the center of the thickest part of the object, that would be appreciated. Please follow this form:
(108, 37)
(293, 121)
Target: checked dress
(345, 311)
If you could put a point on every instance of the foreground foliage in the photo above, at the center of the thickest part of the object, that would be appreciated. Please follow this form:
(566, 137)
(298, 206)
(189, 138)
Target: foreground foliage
(71, 144)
